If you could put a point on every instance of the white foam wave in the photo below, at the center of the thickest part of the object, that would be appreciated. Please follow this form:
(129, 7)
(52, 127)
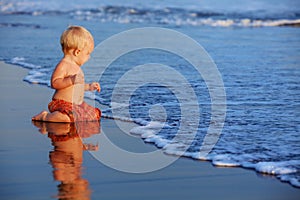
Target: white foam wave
(284, 170)
(243, 23)
(277, 168)
(183, 19)
(292, 180)
(21, 62)
(153, 15)
(36, 74)
(225, 160)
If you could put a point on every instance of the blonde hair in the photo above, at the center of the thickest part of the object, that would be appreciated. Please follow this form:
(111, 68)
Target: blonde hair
(76, 37)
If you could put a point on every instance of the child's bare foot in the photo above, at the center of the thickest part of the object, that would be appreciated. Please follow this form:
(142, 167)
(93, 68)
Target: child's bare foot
(40, 117)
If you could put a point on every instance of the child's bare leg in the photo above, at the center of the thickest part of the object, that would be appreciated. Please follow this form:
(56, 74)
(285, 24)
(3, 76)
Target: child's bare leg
(57, 116)
(51, 117)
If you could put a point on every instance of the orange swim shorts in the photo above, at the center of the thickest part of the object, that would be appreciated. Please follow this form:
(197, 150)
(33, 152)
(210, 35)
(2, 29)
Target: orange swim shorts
(82, 112)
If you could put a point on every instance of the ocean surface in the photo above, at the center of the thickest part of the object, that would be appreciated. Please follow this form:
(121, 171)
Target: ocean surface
(255, 45)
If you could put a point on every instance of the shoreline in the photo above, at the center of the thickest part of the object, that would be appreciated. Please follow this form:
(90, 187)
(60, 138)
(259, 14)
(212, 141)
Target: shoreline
(184, 178)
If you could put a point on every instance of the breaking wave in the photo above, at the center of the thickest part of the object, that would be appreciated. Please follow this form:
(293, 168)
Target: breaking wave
(171, 16)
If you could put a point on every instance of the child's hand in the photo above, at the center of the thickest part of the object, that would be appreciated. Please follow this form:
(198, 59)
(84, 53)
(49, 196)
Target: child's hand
(77, 79)
(94, 86)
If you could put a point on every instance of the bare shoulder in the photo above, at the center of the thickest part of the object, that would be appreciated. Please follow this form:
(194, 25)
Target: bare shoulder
(61, 69)
(62, 66)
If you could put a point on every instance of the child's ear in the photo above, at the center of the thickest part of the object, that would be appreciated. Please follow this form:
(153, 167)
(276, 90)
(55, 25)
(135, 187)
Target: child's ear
(76, 52)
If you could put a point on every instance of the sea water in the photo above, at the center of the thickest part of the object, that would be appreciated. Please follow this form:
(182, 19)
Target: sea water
(255, 45)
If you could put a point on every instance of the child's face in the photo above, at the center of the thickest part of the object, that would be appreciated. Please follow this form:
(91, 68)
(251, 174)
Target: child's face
(84, 55)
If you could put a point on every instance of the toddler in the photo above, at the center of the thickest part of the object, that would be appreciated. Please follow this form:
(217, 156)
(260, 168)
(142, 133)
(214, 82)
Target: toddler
(67, 103)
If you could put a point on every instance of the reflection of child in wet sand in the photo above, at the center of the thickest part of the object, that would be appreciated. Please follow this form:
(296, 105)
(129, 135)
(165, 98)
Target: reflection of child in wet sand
(68, 104)
(66, 160)
(67, 156)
